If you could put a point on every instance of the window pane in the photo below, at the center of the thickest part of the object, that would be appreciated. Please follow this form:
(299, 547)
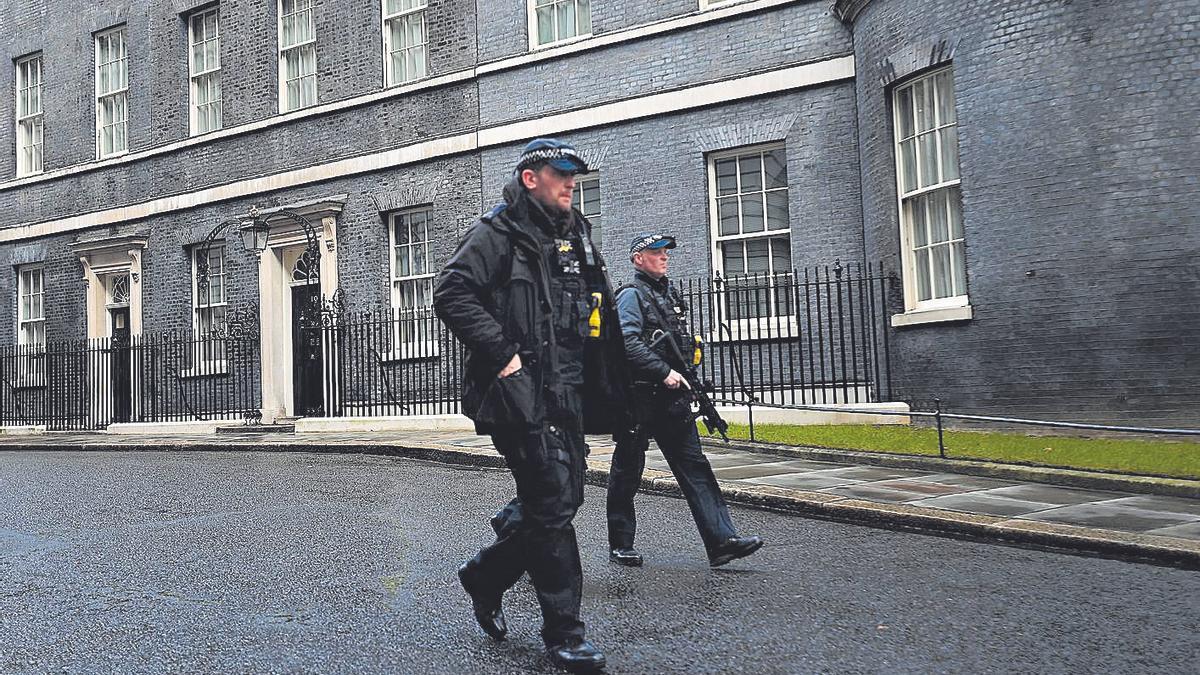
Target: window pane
(545, 23)
(904, 114)
(916, 219)
(566, 20)
(956, 225)
(419, 255)
(945, 98)
(939, 228)
(775, 164)
(752, 213)
(585, 16)
(958, 257)
(758, 256)
(726, 177)
(908, 166)
(941, 271)
(728, 216)
(922, 261)
(781, 254)
(923, 92)
(734, 263)
(927, 146)
(751, 171)
(949, 147)
(777, 211)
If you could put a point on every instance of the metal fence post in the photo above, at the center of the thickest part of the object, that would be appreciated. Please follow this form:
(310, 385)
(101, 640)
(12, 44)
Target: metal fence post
(937, 417)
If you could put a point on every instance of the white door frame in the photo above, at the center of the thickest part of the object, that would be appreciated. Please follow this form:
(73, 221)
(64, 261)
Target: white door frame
(275, 297)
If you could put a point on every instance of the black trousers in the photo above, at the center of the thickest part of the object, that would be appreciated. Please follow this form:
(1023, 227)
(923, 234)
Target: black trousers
(534, 532)
(680, 444)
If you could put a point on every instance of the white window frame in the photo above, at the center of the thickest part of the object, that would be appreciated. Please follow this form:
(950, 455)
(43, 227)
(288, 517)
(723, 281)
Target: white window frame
(198, 79)
(121, 94)
(389, 75)
(31, 118)
(31, 330)
(762, 327)
(956, 305)
(283, 51)
(402, 348)
(714, 4)
(204, 360)
(578, 203)
(531, 11)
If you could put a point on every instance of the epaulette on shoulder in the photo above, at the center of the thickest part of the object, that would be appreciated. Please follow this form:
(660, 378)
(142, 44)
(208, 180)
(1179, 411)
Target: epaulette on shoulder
(496, 210)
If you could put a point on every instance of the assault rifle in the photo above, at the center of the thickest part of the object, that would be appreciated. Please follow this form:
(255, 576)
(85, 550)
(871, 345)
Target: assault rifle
(698, 399)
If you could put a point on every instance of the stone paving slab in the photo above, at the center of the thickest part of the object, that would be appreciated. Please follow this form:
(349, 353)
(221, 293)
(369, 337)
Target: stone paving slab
(1113, 516)
(983, 502)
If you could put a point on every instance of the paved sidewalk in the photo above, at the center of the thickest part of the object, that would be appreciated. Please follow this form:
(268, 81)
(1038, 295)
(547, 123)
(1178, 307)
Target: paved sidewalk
(1123, 522)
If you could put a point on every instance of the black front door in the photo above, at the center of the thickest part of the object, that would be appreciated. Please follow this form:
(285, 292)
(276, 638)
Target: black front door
(122, 392)
(306, 350)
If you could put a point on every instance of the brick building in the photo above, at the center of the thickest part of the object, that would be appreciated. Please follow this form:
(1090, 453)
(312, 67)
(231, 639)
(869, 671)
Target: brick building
(1026, 170)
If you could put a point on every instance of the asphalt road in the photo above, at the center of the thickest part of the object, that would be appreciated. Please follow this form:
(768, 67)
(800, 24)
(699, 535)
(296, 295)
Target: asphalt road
(261, 562)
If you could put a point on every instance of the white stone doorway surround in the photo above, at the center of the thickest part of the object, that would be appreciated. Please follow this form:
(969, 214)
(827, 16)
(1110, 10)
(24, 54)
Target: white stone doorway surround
(285, 244)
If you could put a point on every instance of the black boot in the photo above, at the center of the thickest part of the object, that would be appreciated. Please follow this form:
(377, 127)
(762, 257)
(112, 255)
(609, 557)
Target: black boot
(732, 549)
(577, 656)
(625, 555)
(488, 611)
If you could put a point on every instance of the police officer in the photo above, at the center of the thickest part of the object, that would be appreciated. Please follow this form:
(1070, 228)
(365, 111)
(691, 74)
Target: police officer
(527, 294)
(651, 312)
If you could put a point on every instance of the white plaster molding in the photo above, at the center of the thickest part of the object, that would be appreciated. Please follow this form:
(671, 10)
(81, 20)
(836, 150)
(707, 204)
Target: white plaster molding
(689, 98)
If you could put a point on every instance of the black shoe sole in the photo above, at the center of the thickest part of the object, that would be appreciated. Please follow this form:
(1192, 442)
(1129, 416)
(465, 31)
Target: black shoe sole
(726, 558)
(579, 667)
(627, 562)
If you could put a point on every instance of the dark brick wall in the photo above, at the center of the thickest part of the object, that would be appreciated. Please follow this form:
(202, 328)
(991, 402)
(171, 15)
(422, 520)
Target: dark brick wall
(349, 63)
(1077, 125)
(785, 36)
(662, 184)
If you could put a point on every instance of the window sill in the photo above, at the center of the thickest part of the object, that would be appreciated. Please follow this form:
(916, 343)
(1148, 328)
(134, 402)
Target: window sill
(413, 351)
(209, 368)
(36, 382)
(560, 43)
(924, 316)
(782, 328)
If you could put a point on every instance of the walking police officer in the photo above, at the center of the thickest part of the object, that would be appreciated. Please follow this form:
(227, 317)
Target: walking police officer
(527, 293)
(652, 312)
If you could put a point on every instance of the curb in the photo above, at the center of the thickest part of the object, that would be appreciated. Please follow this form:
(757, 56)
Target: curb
(996, 529)
(1091, 480)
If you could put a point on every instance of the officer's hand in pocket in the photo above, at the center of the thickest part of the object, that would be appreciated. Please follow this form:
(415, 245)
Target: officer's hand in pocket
(513, 366)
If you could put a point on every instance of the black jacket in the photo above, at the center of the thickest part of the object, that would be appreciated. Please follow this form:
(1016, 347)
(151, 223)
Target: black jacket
(642, 305)
(494, 295)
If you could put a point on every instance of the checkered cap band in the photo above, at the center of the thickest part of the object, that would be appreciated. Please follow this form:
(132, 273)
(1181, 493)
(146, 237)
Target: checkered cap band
(546, 155)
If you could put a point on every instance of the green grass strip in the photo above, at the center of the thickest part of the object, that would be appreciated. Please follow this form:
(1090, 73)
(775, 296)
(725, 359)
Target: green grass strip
(1130, 456)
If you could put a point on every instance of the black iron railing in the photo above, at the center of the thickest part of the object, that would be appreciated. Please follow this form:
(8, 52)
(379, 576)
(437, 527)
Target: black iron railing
(816, 335)
(157, 377)
(805, 336)
(391, 362)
